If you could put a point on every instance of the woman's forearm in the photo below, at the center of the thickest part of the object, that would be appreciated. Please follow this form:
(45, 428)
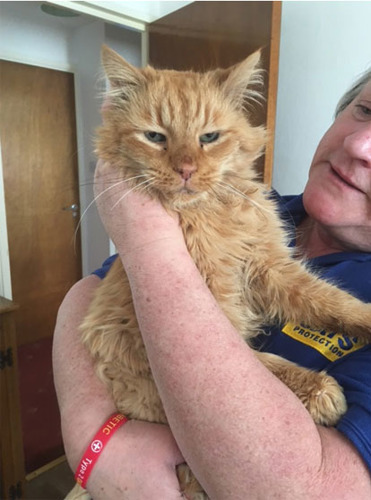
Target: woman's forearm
(83, 400)
(139, 460)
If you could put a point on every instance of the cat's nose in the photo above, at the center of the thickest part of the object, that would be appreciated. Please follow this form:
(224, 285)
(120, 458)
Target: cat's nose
(186, 170)
(186, 167)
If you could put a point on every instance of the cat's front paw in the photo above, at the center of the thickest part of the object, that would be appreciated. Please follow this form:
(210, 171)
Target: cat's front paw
(320, 394)
(325, 401)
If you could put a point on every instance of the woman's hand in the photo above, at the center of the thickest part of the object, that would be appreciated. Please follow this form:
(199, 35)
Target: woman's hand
(139, 464)
(131, 218)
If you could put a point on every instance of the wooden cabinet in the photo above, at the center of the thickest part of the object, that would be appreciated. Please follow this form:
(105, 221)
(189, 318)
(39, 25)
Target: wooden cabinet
(205, 35)
(11, 446)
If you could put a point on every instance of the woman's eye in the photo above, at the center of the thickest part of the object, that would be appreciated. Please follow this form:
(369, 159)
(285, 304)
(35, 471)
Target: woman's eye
(155, 136)
(207, 138)
(363, 111)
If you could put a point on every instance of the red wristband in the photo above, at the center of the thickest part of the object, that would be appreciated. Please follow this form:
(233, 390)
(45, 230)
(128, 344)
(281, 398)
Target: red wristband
(95, 448)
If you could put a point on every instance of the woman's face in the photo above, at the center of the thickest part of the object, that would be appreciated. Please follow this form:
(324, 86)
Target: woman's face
(338, 192)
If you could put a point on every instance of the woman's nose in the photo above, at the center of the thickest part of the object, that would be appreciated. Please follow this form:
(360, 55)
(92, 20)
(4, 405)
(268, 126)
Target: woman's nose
(358, 144)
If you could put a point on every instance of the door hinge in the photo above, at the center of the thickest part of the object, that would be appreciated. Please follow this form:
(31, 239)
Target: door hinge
(15, 491)
(6, 358)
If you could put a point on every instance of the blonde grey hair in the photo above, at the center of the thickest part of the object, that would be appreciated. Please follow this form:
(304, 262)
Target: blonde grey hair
(352, 93)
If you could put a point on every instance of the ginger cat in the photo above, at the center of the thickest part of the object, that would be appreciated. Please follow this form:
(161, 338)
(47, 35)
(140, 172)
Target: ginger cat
(185, 137)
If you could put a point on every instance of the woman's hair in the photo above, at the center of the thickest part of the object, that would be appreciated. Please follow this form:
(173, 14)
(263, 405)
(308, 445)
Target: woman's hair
(352, 93)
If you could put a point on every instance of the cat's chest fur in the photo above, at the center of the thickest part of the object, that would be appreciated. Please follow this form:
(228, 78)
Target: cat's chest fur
(228, 244)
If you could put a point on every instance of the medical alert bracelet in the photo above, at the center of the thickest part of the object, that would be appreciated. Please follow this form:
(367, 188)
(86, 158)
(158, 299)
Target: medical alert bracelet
(96, 447)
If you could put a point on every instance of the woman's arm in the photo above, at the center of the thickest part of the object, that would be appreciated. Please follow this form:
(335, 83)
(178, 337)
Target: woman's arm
(140, 458)
(241, 430)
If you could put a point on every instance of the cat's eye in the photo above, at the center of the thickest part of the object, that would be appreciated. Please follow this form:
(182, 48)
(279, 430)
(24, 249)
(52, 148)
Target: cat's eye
(155, 136)
(210, 137)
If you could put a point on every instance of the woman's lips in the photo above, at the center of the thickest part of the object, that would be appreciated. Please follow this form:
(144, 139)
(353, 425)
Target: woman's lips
(345, 179)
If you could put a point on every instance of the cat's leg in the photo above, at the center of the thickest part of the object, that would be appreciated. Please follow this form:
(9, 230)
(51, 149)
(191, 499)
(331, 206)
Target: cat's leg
(320, 393)
(289, 292)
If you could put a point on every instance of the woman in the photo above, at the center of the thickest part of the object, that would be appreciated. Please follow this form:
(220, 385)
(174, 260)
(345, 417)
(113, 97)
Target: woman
(244, 434)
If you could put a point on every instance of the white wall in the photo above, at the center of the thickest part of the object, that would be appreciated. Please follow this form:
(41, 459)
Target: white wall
(89, 83)
(5, 277)
(27, 38)
(125, 42)
(84, 53)
(324, 47)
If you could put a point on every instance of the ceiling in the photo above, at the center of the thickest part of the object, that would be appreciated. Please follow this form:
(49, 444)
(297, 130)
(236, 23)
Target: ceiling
(143, 11)
(31, 11)
(132, 14)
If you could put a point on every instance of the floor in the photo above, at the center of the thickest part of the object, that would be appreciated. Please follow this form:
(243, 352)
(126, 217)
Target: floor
(41, 426)
(53, 484)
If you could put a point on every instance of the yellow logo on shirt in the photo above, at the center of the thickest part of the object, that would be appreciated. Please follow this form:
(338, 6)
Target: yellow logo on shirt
(330, 344)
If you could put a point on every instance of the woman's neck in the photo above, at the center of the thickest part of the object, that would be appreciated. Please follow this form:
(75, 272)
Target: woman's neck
(313, 240)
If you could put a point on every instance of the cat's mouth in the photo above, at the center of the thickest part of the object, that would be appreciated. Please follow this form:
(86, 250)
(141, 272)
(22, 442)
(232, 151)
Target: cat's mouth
(185, 195)
(182, 193)
(187, 190)
(186, 187)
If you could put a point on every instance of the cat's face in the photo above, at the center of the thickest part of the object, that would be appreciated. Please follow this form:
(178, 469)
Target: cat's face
(185, 135)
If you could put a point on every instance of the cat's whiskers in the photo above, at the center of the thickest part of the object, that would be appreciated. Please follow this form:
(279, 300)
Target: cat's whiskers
(98, 196)
(143, 188)
(243, 195)
(145, 184)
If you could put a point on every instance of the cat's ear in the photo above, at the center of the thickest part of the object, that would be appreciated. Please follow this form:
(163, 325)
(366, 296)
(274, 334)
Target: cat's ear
(240, 81)
(123, 77)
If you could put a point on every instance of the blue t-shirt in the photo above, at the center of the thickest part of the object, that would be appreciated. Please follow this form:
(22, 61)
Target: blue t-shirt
(344, 358)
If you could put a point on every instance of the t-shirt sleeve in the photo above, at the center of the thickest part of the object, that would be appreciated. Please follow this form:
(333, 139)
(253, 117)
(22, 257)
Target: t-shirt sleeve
(354, 375)
(106, 266)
